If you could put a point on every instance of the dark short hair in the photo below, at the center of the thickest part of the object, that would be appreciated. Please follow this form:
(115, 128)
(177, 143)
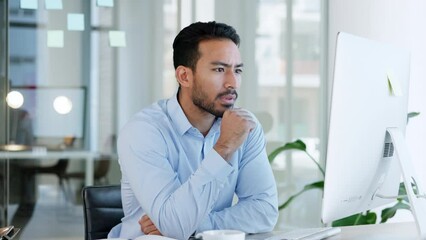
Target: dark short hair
(185, 45)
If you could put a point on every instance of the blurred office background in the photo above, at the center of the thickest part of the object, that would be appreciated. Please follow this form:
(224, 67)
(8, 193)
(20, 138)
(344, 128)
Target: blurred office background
(79, 69)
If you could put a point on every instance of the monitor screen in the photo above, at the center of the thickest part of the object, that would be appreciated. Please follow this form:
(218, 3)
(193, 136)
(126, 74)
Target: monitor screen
(369, 95)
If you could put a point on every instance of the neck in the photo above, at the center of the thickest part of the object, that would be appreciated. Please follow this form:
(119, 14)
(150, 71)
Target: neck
(198, 118)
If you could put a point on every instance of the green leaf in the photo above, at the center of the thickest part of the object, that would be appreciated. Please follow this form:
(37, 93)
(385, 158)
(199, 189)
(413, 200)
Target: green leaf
(415, 186)
(411, 115)
(370, 218)
(402, 190)
(357, 219)
(296, 145)
(316, 163)
(315, 185)
(402, 193)
(390, 212)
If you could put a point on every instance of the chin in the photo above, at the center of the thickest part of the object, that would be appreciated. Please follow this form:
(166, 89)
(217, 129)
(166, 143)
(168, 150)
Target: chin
(227, 106)
(221, 111)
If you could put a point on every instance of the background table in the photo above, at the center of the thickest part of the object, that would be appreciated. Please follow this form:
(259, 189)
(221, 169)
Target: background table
(88, 156)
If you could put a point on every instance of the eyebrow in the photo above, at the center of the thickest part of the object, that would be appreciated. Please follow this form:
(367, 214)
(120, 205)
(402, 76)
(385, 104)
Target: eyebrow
(226, 64)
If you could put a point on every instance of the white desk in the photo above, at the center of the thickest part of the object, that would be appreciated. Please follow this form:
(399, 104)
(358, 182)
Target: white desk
(387, 231)
(86, 155)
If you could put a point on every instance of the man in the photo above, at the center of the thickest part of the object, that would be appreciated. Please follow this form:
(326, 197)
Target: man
(182, 159)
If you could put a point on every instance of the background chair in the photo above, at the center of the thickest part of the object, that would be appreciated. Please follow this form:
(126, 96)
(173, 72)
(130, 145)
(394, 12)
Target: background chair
(100, 175)
(58, 169)
(102, 210)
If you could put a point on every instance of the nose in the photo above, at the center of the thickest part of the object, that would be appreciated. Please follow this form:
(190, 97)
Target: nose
(232, 80)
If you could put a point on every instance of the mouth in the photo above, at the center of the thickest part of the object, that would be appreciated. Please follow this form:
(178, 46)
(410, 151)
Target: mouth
(228, 99)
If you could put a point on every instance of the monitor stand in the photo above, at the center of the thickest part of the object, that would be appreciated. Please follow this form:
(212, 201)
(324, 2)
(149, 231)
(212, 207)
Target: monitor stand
(415, 190)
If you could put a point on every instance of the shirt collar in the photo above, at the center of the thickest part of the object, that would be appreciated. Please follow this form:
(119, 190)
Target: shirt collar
(179, 119)
(177, 115)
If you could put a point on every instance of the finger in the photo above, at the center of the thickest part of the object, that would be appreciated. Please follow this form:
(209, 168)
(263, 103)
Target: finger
(141, 221)
(155, 233)
(145, 218)
(144, 223)
(150, 229)
(247, 116)
(242, 112)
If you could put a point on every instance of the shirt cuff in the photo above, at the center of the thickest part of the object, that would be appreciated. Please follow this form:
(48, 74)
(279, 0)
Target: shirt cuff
(216, 166)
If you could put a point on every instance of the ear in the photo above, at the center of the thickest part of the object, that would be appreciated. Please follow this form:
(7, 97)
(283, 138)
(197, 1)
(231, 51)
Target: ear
(184, 76)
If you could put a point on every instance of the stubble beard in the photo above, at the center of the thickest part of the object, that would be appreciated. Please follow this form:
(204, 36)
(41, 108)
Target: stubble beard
(200, 99)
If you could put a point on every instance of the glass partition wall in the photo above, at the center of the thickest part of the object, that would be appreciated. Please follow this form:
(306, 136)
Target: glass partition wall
(47, 92)
(3, 109)
(109, 59)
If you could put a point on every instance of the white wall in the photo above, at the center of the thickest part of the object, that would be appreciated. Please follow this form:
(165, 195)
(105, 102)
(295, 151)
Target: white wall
(400, 23)
(140, 63)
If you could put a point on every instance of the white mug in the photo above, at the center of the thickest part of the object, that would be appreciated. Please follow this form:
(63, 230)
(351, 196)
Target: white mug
(222, 235)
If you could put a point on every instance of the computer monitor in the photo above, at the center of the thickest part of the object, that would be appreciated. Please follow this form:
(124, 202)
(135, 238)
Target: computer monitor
(366, 147)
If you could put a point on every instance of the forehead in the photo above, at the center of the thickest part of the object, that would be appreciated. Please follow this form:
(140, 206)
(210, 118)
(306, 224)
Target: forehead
(223, 50)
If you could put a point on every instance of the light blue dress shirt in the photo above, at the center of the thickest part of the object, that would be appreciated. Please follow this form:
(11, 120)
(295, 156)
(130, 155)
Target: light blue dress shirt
(171, 172)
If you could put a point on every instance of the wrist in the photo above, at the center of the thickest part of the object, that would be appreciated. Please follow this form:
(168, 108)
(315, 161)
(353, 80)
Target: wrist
(224, 151)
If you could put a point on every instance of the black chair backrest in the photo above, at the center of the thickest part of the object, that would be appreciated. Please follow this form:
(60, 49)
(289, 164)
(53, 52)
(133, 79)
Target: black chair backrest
(102, 210)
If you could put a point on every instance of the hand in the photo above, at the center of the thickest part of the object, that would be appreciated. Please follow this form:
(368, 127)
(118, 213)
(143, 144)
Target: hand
(236, 125)
(148, 227)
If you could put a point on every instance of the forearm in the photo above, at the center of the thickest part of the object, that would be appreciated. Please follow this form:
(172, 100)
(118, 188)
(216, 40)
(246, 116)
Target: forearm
(250, 216)
(178, 208)
(257, 208)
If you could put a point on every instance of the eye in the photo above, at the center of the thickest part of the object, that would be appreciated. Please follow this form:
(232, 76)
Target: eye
(219, 69)
(238, 70)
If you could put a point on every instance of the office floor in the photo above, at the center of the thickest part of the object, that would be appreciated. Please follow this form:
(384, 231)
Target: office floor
(54, 217)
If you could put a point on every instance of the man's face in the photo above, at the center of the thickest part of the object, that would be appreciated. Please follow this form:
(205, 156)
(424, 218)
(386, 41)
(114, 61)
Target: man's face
(217, 76)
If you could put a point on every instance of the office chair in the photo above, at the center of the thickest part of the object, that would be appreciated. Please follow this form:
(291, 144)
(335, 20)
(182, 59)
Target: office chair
(102, 210)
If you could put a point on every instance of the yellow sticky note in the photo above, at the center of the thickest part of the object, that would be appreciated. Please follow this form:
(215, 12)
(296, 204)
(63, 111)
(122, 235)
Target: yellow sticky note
(105, 3)
(75, 22)
(394, 85)
(53, 4)
(117, 38)
(55, 38)
(29, 4)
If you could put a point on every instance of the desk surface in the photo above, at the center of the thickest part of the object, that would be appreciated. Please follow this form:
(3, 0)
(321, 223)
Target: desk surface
(387, 231)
